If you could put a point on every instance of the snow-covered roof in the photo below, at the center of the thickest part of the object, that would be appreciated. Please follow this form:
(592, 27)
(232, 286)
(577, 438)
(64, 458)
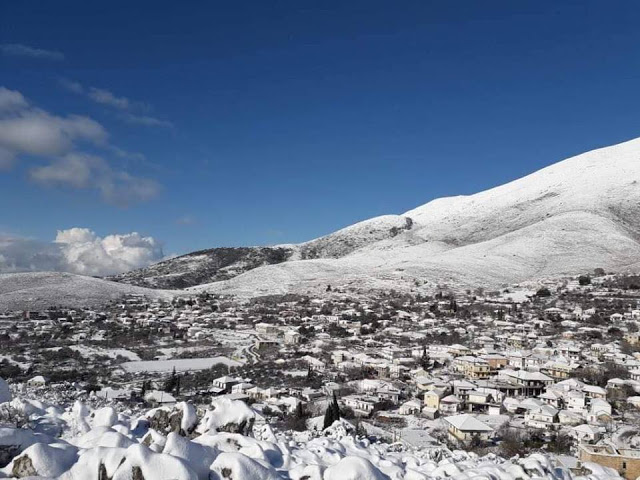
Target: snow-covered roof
(468, 423)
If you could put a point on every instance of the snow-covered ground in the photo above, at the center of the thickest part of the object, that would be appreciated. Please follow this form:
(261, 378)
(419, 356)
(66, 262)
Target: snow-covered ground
(229, 442)
(37, 291)
(179, 364)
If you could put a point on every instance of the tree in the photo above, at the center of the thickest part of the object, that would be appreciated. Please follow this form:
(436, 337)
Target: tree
(332, 413)
(297, 421)
(172, 381)
(543, 292)
(584, 280)
(424, 361)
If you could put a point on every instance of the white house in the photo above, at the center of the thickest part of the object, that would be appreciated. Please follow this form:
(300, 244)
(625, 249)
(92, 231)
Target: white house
(466, 427)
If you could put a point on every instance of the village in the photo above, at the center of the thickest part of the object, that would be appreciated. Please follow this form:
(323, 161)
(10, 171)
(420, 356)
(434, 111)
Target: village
(553, 367)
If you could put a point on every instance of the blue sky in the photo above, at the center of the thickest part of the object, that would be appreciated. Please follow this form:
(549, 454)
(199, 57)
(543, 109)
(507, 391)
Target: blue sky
(273, 122)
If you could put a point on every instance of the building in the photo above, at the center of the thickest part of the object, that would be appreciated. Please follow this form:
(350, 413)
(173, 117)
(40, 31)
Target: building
(466, 427)
(532, 383)
(292, 337)
(473, 367)
(625, 461)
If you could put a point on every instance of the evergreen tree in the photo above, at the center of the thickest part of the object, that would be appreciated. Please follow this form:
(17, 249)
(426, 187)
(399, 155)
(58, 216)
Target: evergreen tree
(171, 382)
(335, 407)
(332, 413)
(424, 361)
(328, 417)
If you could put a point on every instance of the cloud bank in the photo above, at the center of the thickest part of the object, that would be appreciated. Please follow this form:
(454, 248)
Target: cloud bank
(27, 130)
(81, 251)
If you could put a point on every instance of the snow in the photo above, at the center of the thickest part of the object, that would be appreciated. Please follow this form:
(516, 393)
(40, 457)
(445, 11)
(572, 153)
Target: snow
(223, 412)
(48, 460)
(189, 416)
(236, 466)
(354, 468)
(333, 454)
(32, 291)
(180, 365)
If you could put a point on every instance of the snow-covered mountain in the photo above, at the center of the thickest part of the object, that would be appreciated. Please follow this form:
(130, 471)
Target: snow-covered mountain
(40, 290)
(568, 218)
(224, 263)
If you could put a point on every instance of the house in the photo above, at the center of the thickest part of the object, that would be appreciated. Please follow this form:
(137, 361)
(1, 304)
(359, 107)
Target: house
(466, 427)
(592, 391)
(587, 433)
(472, 367)
(532, 383)
(450, 405)
(224, 384)
(599, 411)
(37, 381)
(412, 407)
(553, 398)
(477, 400)
(495, 360)
(266, 329)
(625, 461)
(432, 398)
(544, 416)
(361, 404)
(291, 337)
(158, 397)
(241, 387)
(109, 393)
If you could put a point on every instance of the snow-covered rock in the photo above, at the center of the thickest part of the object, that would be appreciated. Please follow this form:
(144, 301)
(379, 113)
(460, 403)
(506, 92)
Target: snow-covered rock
(227, 415)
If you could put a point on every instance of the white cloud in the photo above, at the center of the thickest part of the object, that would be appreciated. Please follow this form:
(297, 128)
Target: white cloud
(19, 50)
(145, 120)
(70, 85)
(10, 100)
(126, 105)
(79, 250)
(26, 130)
(89, 171)
(100, 95)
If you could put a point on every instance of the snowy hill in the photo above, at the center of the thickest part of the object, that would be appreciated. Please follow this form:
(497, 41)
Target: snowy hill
(19, 291)
(568, 218)
(224, 263)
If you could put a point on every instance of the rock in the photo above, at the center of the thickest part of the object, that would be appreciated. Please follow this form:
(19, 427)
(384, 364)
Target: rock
(23, 467)
(166, 422)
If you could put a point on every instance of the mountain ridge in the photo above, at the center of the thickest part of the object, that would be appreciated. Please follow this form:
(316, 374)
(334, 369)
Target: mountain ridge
(569, 217)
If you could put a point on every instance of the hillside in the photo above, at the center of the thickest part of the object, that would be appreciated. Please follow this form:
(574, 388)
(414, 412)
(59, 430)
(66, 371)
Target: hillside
(32, 291)
(205, 266)
(568, 218)
(217, 264)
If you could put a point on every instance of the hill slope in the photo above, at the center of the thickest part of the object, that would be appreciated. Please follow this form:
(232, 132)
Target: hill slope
(571, 217)
(224, 263)
(33, 291)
